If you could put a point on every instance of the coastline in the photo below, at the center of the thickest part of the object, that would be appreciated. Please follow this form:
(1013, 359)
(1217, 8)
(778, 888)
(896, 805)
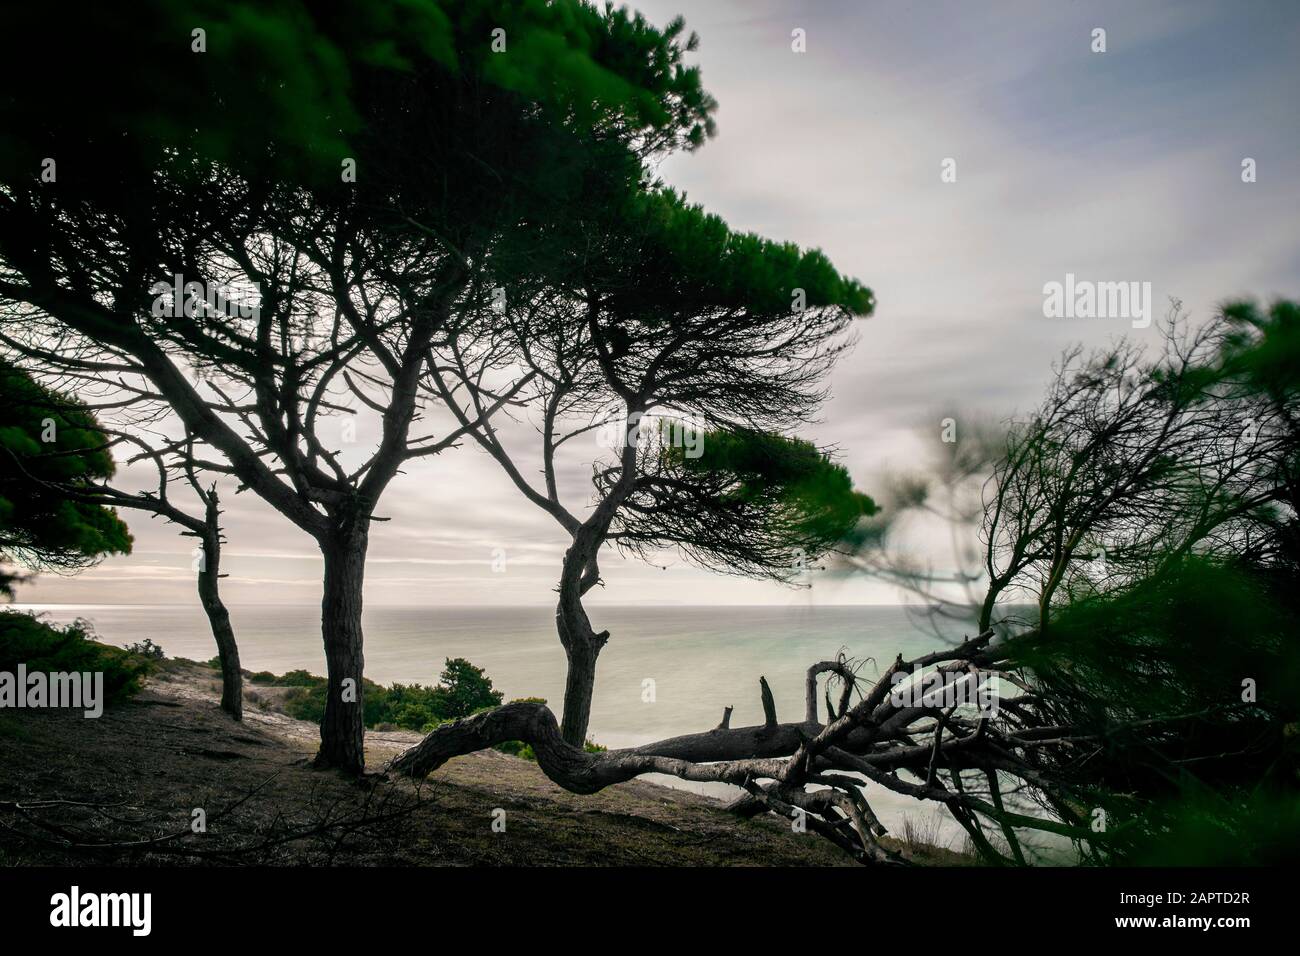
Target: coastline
(155, 760)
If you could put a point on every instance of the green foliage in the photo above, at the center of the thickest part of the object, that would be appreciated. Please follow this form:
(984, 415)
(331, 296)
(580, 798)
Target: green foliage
(758, 501)
(44, 647)
(148, 649)
(517, 748)
(323, 62)
(307, 702)
(298, 678)
(1250, 827)
(463, 689)
(1265, 346)
(791, 471)
(1191, 770)
(695, 254)
(49, 441)
(591, 62)
(1177, 643)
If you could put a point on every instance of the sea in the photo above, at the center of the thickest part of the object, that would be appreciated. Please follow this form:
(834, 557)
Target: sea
(666, 670)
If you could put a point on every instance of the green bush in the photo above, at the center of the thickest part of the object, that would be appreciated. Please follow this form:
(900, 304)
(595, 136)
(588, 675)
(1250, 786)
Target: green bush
(299, 678)
(147, 648)
(463, 689)
(25, 639)
(517, 748)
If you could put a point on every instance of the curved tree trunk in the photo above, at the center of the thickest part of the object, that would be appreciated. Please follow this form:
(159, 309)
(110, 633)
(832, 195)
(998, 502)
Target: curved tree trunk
(918, 751)
(581, 643)
(342, 731)
(579, 685)
(569, 766)
(232, 679)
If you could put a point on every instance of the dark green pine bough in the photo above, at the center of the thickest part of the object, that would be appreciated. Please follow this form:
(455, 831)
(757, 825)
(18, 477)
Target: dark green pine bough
(49, 443)
(361, 178)
(394, 173)
(663, 323)
(58, 506)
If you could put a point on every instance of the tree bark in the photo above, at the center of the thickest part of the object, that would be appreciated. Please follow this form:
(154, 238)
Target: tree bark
(581, 647)
(569, 766)
(873, 742)
(342, 731)
(581, 643)
(579, 574)
(232, 679)
(579, 684)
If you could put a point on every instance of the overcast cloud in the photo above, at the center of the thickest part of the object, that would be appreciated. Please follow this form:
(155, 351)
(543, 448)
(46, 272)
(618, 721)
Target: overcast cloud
(1115, 166)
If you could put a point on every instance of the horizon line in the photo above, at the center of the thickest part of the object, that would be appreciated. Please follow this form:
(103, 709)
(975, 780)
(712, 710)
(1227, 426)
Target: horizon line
(19, 605)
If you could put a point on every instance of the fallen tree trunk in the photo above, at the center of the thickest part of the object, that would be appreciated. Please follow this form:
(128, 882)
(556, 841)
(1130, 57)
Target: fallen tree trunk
(997, 771)
(816, 773)
(571, 767)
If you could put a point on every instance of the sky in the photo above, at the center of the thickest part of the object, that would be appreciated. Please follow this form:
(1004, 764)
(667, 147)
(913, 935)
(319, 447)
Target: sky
(955, 157)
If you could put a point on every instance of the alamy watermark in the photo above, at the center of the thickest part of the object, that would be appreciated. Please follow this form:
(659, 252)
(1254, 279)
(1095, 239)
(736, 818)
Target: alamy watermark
(58, 689)
(619, 431)
(1084, 299)
(946, 689)
(75, 908)
(192, 299)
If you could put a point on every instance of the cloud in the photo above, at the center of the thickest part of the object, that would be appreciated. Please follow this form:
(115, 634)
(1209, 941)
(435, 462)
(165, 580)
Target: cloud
(1115, 166)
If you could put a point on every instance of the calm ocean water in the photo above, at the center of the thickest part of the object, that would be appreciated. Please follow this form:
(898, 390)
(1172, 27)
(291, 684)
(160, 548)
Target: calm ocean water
(701, 659)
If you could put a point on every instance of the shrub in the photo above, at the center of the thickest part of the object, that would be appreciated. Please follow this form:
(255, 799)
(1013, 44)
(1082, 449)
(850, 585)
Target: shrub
(299, 678)
(25, 639)
(517, 748)
(463, 690)
(147, 648)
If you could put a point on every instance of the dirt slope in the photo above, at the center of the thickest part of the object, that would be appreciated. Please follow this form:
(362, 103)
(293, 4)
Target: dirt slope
(137, 774)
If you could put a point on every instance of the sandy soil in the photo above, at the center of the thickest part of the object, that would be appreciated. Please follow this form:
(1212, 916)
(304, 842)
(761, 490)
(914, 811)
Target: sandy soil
(136, 775)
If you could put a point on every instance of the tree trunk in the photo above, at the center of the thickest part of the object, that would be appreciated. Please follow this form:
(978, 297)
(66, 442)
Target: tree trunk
(232, 680)
(342, 731)
(579, 574)
(581, 645)
(579, 684)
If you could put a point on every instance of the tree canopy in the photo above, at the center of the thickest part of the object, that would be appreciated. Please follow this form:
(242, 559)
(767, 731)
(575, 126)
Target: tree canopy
(273, 222)
(644, 307)
(49, 442)
(749, 503)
